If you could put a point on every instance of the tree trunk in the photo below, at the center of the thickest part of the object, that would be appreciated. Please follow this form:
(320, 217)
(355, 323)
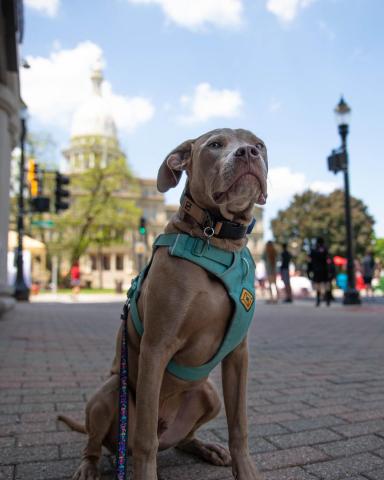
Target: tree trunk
(100, 255)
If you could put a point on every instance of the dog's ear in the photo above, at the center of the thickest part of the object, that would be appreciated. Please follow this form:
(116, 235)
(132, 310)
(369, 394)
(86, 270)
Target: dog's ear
(172, 168)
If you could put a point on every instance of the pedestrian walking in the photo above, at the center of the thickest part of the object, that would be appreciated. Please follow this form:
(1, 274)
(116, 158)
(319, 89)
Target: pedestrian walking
(75, 279)
(368, 271)
(270, 261)
(331, 276)
(319, 271)
(261, 277)
(286, 258)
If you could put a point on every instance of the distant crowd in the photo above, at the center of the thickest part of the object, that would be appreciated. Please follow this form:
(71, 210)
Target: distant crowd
(279, 279)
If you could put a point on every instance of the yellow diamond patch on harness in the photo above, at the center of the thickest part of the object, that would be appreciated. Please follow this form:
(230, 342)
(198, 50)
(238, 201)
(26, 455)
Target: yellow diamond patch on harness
(246, 298)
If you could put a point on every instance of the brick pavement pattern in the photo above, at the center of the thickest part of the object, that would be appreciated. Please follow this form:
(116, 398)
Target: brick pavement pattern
(316, 392)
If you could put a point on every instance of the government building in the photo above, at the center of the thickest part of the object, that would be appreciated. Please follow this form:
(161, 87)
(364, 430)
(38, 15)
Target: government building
(94, 140)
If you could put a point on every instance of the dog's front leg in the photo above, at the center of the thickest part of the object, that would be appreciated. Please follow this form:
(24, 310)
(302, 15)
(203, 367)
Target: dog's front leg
(234, 376)
(152, 363)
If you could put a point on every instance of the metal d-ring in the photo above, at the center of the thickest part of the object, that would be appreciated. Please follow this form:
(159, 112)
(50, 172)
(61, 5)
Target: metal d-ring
(209, 232)
(246, 267)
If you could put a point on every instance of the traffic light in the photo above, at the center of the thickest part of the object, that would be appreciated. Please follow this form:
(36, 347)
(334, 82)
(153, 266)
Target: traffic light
(33, 179)
(60, 192)
(143, 226)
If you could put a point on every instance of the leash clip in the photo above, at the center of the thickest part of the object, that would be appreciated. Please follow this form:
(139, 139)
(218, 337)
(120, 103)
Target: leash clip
(126, 307)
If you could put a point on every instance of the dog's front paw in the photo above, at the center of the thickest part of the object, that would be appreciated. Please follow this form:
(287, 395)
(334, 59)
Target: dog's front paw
(87, 471)
(210, 452)
(244, 469)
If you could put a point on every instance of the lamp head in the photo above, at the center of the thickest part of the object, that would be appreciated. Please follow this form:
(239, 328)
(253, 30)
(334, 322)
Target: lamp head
(342, 113)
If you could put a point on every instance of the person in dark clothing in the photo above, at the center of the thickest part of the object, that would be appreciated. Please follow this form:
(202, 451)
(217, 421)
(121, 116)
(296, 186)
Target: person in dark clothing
(331, 276)
(368, 270)
(286, 258)
(319, 271)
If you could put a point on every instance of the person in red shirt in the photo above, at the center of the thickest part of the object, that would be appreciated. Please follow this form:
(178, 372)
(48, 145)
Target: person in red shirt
(75, 278)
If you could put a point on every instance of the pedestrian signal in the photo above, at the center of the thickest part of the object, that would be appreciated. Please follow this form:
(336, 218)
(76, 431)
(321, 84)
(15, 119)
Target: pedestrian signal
(61, 192)
(40, 204)
(337, 161)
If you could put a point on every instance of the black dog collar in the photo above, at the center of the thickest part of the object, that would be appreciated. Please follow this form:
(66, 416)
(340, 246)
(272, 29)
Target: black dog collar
(213, 226)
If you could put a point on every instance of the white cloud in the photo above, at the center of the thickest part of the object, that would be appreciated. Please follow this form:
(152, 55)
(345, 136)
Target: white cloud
(323, 187)
(55, 86)
(46, 7)
(207, 103)
(128, 112)
(287, 10)
(194, 14)
(284, 183)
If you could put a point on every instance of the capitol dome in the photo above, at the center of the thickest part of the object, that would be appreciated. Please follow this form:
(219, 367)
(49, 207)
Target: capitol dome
(94, 118)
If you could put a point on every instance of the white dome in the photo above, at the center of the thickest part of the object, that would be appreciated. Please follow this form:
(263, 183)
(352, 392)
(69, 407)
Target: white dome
(94, 116)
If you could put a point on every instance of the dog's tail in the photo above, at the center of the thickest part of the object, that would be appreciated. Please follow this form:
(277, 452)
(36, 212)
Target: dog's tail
(72, 424)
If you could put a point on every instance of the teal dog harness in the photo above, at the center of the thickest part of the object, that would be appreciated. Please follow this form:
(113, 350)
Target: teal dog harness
(236, 270)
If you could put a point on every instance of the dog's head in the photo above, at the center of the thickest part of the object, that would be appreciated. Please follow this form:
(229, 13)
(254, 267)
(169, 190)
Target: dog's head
(226, 169)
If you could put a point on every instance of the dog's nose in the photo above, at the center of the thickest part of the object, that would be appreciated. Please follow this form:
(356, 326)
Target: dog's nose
(249, 150)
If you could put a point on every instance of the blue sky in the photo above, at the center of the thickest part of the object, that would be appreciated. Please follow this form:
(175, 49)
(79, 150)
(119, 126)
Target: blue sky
(177, 68)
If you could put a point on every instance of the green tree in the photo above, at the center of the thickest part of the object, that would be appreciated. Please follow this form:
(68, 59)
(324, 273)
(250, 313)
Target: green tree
(100, 211)
(311, 215)
(379, 249)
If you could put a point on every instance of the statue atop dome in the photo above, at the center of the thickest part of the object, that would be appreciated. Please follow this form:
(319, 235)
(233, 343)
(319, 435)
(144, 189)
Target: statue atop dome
(94, 117)
(97, 77)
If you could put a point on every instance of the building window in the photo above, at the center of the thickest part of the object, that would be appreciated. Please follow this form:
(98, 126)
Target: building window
(106, 262)
(93, 262)
(119, 262)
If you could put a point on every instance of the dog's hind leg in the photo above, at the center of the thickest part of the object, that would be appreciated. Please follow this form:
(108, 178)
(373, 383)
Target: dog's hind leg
(199, 407)
(98, 423)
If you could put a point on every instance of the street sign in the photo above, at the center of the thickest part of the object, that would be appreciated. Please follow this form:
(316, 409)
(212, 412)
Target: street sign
(43, 223)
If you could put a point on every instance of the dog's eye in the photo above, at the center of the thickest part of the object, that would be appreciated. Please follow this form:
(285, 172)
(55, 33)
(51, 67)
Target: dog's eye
(215, 145)
(259, 146)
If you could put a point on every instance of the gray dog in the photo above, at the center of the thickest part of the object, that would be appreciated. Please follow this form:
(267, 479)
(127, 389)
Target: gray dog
(183, 314)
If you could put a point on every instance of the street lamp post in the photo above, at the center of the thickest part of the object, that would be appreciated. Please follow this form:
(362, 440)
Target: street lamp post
(21, 289)
(342, 112)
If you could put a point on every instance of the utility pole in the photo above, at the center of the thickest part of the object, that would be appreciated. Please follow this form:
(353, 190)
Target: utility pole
(21, 292)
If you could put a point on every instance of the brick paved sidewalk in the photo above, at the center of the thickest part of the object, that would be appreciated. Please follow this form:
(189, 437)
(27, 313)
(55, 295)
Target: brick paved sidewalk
(316, 392)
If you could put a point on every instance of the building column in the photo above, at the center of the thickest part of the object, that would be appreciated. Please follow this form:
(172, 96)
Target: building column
(9, 129)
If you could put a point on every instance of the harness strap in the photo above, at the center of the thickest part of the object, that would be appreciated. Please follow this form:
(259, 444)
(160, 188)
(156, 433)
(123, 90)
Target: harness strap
(199, 247)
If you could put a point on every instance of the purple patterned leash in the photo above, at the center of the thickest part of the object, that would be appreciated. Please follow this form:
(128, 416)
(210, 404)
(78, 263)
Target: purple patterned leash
(122, 454)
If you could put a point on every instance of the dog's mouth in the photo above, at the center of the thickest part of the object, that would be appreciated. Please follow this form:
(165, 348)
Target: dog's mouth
(219, 197)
